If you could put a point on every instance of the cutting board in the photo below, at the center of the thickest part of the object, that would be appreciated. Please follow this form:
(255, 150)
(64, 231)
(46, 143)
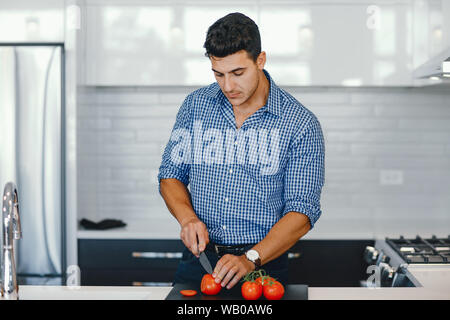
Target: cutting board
(292, 292)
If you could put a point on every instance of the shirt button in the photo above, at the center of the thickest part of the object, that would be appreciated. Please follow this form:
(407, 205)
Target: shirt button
(231, 170)
(224, 227)
(226, 199)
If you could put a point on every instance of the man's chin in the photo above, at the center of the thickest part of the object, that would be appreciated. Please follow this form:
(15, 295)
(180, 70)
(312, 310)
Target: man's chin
(236, 101)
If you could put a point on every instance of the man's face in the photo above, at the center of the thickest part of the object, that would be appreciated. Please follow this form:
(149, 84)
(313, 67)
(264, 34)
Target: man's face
(237, 75)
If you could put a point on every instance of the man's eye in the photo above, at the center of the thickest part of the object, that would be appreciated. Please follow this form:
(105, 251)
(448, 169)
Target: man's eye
(219, 75)
(238, 74)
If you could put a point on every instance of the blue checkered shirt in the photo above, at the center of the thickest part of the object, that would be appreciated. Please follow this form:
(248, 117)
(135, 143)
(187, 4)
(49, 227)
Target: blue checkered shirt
(242, 181)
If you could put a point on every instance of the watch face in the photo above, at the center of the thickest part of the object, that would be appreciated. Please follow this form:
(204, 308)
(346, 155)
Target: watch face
(252, 255)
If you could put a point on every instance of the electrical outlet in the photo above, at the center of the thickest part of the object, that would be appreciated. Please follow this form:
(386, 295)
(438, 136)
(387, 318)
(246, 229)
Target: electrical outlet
(391, 177)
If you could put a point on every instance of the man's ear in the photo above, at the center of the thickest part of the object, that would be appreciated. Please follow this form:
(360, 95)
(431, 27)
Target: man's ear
(261, 60)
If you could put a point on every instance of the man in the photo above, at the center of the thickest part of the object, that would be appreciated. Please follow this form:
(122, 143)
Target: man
(253, 157)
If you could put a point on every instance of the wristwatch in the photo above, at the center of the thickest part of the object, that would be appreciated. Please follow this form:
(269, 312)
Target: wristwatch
(253, 256)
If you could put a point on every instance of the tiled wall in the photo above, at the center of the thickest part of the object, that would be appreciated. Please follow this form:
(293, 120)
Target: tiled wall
(122, 133)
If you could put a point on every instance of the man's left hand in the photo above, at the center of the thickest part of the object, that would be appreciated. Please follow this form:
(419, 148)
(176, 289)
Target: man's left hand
(230, 269)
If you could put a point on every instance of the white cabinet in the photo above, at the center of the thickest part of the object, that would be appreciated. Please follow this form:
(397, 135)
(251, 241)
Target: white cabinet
(348, 43)
(32, 21)
(148, 44)
(307, 43)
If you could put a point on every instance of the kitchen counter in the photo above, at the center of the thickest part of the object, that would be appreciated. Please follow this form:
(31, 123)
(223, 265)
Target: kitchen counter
(378, 294)
(27, 292)
(435, 286)
(159, 293)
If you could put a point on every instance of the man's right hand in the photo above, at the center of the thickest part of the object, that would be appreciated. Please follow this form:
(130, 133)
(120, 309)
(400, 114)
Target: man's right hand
(194, 235)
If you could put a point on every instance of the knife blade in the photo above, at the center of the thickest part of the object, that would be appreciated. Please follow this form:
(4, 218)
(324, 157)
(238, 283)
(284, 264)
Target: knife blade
(205, 262)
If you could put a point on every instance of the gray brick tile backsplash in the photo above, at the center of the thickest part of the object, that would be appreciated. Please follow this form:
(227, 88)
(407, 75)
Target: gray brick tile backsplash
(347, 162)
(172, 98)
(396, 149)
(412, 111)
(316, 98)
(342, 111)
(427, 123)
(94, 124)
(362, 123)
(116, 137)
(122, 133)
(397, 97)
(441, 164)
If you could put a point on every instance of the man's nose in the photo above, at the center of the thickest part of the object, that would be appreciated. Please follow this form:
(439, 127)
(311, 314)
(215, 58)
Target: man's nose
(228, 84)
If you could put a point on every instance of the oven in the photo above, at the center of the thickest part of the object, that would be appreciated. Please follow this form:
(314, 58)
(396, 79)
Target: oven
(393, 262)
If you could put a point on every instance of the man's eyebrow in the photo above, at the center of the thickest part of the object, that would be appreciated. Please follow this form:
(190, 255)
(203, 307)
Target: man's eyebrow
(234, 70)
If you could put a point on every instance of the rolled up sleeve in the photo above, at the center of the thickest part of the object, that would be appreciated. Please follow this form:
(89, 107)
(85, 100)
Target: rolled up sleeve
(305, 173)
(176, 157)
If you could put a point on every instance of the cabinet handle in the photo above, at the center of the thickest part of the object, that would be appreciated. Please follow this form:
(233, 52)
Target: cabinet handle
(151, 284)
(294, 255)
(158, 255)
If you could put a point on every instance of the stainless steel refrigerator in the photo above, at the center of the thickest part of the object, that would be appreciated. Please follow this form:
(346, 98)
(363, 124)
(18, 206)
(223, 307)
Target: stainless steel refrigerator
(32, 155)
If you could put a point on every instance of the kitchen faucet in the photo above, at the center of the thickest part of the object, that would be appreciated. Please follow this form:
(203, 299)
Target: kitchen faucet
(11, 232)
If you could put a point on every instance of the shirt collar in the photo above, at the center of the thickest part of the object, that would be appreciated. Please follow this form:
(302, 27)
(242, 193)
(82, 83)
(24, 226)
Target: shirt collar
(274, 103)
(274, 98)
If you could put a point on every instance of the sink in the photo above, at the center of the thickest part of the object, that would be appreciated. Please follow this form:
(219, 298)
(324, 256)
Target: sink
(92, 293)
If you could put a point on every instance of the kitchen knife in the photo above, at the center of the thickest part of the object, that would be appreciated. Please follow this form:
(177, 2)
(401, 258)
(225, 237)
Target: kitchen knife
(205, 262)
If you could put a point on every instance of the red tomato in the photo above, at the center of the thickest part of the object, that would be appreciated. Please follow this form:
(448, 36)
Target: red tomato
(209, 286)
(251, 290)
(273, 291)
(188, 293)
(265, 281)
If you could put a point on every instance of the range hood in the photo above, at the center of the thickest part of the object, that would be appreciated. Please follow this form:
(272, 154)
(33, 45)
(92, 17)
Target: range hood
(437, 68)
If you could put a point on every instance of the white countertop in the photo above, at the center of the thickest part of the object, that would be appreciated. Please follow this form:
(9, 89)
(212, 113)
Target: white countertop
(92, 293)
(435, 281)
(435, 286)
(432, 276)
(378, 294)
(159, 293)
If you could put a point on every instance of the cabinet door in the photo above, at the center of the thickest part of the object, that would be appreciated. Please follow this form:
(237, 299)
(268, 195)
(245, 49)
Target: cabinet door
(349, 43)
(328, 263)
(128, 262)
(130, 45)
(33, 21)
(150, 44)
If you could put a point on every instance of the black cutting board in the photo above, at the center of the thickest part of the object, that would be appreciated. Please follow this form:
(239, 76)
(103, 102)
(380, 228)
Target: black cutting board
(292, 292)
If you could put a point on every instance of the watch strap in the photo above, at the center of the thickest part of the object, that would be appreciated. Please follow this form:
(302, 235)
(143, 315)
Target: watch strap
(256, 261)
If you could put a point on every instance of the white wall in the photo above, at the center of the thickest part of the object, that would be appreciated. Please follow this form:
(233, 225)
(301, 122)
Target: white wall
(121, 133)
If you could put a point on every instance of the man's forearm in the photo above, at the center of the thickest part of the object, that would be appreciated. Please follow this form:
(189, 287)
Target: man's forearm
(283, 235)
(177, 199)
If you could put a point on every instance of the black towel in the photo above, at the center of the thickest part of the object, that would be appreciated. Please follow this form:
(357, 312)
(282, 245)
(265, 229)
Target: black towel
(102, 225)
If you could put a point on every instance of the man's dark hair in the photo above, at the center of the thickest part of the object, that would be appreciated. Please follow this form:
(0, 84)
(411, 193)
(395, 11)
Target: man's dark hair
(233, 33)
